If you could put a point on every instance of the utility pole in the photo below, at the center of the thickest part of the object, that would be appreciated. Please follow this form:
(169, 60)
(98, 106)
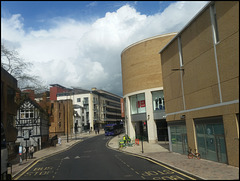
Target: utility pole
(67, 120)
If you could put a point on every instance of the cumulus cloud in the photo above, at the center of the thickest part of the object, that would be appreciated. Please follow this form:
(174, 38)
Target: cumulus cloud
(75, 53)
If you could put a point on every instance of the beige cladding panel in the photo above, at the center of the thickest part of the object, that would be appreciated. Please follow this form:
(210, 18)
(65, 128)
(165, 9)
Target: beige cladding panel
(228, 57)
(172, 86)
(200, 73)
(203, 97)
(174, 105)
(170, 59)
(141, 65)
(227, 18)
(230, 90)
(197, 38)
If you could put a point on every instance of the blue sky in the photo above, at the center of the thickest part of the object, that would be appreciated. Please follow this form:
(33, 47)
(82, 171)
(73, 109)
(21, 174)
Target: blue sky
(36, 14)
(79, 43)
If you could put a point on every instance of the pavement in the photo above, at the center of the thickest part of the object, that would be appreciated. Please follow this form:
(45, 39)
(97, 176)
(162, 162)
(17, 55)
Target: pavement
(204, 169)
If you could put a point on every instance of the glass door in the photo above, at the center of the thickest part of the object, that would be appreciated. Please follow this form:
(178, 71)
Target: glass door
(211, 140)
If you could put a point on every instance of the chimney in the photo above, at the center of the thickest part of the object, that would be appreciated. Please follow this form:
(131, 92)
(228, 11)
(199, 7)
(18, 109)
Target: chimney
(31, 93)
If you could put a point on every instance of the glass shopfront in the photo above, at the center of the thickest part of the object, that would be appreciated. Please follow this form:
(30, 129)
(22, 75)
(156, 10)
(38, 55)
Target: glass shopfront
(178, 133)
(158, 100)
(138, 104)
(211, 139)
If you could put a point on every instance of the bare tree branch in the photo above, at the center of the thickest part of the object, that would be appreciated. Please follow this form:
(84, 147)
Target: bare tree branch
(19, 69)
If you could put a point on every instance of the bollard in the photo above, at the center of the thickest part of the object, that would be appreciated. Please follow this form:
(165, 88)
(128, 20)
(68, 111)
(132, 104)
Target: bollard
(137, 141)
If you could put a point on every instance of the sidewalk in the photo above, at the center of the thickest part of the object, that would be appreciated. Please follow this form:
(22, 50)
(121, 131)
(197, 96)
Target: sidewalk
(205, 169)
(17, 167)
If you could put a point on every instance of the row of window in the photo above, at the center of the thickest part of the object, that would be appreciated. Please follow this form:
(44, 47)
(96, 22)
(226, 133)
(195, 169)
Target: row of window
(138, 104)
(210, 138)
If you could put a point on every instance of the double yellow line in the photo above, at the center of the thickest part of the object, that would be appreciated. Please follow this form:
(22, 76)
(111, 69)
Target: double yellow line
(151, 160)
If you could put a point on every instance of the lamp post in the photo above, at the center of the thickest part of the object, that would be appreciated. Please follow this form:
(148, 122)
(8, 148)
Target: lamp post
(67, 117)
(142, 136)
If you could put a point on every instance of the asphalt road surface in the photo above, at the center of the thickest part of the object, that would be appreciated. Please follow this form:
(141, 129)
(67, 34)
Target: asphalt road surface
(91, 159)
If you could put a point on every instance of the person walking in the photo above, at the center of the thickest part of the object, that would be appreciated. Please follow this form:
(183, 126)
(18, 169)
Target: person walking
(31, 151)
(59, 141)
(24, 152)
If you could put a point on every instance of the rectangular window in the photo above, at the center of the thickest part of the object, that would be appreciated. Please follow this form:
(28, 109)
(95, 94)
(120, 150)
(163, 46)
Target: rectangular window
(211, 139)
(78, 99)
(180, 51)
(179, 138)
(158, 100)
(138, 104)
(214, 23)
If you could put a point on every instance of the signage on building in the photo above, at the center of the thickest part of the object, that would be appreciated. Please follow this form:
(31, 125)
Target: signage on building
(122, 108)
(141, 103)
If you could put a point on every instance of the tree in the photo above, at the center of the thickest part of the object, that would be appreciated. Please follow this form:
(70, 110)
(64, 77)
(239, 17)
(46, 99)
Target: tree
(18, 68)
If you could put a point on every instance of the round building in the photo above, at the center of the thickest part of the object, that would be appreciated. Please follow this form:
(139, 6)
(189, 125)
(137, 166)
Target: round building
(143, 89)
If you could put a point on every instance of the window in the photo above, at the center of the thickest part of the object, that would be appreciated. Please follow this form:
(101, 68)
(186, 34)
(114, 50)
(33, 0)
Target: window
(85, 100)
(211, 139)
(214, 23)
(180, 51)
(28, 113)
(138, 104)
(158, 100)
(179, 138)
(78, 99)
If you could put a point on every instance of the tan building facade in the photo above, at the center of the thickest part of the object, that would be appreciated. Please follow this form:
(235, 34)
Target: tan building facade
(143, 89)
(61, 118)
(200, 68)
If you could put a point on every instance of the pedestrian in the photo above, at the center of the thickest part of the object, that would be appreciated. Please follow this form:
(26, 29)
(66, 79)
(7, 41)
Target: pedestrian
(98, 130)
(124, 139)
(31, 151)
(59, 141)
(24, 153)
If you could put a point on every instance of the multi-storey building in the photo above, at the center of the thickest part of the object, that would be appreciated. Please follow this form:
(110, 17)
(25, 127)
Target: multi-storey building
(32, 123)
(60, 113)
(93, 108)
(200, 68)
(9, 110)
(143, 89)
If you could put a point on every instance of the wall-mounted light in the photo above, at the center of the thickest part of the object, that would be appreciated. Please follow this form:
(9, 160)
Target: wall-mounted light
(182, 116)
(148, 117)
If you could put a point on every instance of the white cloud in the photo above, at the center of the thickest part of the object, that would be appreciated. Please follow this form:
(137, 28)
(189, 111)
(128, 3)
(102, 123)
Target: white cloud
(74, 53)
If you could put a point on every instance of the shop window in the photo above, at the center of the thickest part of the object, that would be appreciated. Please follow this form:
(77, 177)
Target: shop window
(138, 104)
(158, 100)
(211, 139)
(179, 138)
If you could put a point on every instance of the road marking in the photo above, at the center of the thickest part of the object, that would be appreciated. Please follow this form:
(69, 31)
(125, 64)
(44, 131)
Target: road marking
(77, 157)
(160, 165)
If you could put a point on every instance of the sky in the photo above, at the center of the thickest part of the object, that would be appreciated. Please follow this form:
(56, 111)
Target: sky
(79, 43)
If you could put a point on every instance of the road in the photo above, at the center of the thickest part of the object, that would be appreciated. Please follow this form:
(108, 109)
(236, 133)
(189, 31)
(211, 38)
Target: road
(91, 159)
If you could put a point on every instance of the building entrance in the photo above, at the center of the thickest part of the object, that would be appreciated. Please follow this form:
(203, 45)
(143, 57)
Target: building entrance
(211, 139)
(162, 131)
(141, 130)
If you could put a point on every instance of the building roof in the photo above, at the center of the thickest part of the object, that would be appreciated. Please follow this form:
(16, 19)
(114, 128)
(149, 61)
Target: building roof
(147, 39)
(57, 85)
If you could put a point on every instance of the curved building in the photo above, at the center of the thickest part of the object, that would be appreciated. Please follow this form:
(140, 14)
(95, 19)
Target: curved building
(143, 89)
